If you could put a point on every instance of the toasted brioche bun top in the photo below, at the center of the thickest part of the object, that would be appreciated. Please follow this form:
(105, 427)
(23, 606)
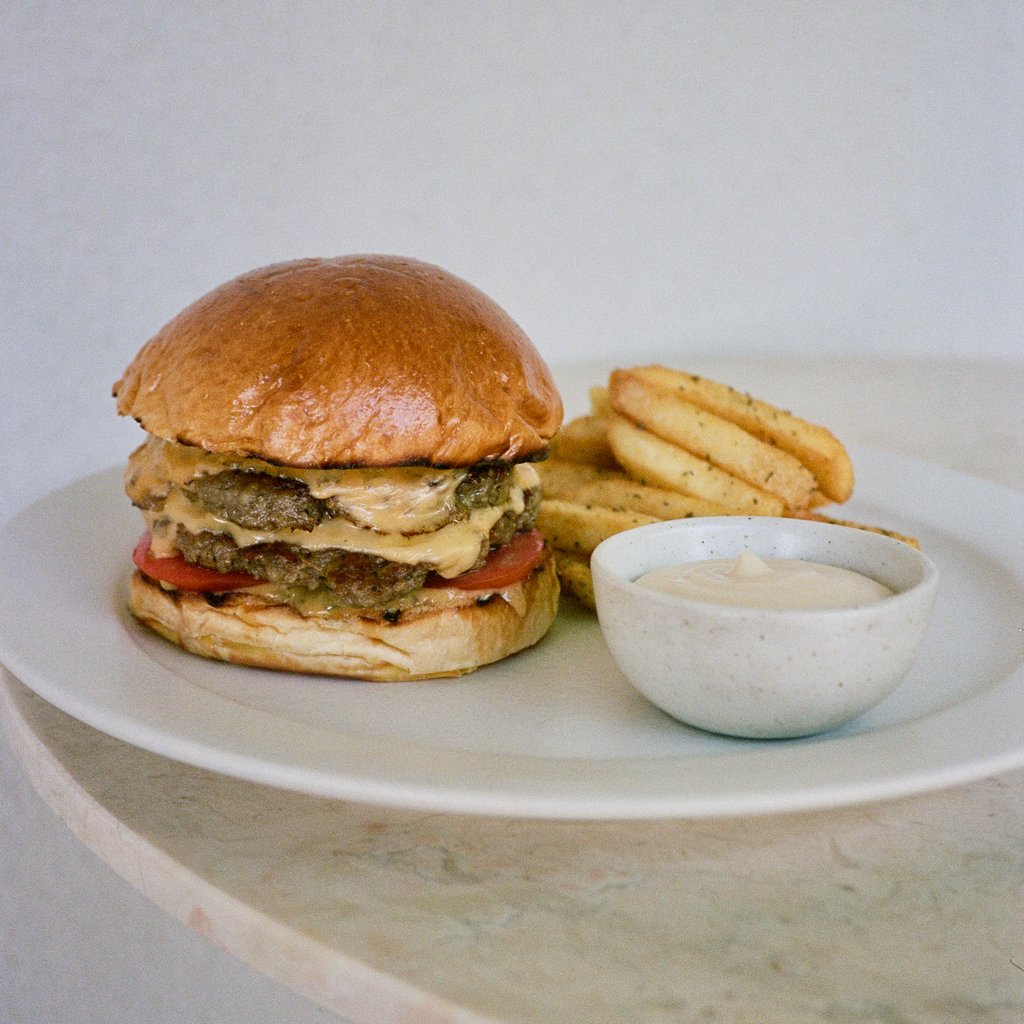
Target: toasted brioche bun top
(355, 361)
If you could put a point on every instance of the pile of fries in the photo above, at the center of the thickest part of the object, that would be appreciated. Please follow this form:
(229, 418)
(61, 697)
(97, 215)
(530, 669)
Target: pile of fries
(661, 444)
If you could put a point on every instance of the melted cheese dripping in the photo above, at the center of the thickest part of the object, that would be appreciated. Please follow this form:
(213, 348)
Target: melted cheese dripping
(405, 505)
(401, 499)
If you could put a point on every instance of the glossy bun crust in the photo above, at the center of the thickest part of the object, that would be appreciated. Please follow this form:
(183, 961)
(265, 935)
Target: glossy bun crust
(445, 642)
(356, 361)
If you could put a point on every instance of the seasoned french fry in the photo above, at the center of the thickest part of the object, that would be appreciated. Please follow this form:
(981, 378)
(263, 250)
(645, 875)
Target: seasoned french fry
(575, 528)
(591, 485)
(600, 405)
(912, 541)
(659, 444)
(817, 448)
(584, 439)
(657, 462)
(561, 479)
(620, 492)
(707, 435)
(575, 576)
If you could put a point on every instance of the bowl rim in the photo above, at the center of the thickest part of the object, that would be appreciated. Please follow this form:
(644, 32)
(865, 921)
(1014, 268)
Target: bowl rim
(892, 604)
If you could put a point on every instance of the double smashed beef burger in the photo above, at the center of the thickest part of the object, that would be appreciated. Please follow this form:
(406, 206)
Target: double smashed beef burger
(337, 475)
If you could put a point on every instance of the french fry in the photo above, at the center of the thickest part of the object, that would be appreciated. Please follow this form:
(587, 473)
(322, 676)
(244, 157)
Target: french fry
(817, 448)
(620, 492)
(584, 439)
(657, 462)
(575, 528)
(659, 444)
(591, 485)
(912, 541)
(600, 404)
(576, 579)
(562, 479)
(707, 435)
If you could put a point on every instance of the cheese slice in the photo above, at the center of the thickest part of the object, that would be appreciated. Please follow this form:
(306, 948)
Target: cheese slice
(401, 499)
(396, 500)
(451, 550)
(401, 514)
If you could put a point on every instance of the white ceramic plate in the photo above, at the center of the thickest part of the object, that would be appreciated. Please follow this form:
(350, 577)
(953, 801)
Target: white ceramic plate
(553, 732)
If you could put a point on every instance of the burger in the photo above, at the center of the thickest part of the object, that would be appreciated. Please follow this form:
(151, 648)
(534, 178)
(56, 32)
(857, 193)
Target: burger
(337, 475)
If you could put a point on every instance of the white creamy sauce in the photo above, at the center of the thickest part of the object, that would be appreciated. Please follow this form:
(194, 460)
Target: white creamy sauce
(752, 582)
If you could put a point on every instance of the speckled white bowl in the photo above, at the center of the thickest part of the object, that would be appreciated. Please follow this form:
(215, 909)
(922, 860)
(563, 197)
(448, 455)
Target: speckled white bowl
(761, 673)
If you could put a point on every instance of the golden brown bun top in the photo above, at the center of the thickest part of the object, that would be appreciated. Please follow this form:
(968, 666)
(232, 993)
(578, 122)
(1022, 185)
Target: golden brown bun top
(355, 361)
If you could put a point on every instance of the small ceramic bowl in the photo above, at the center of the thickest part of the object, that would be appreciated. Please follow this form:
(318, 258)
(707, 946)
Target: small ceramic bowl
(758, 673)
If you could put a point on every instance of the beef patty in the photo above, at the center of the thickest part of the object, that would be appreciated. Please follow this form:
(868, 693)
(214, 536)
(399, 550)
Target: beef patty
(259, 501)
(353, 578)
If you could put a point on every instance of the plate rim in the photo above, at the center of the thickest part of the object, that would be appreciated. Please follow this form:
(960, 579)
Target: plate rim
(405, 787)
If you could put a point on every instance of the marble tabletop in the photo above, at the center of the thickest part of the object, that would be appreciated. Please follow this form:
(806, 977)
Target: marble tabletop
(910, 910)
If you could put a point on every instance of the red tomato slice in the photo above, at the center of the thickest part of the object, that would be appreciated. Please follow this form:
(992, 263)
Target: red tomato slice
(184, 575)
(504, 566)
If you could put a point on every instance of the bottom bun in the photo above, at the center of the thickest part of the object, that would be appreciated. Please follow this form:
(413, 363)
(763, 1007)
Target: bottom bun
(446, 641)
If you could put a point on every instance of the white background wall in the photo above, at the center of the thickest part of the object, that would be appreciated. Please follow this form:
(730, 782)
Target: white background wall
(797, 176)
(693, 178)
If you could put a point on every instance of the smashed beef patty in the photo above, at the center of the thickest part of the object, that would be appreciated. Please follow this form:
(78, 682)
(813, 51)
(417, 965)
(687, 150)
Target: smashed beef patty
(354, 578)
(259, 501)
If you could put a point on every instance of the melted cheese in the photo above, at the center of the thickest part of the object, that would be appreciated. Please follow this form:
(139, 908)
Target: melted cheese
(401, 499)
(451, 550)
(405, 499)
(400, 514)
(324, 602)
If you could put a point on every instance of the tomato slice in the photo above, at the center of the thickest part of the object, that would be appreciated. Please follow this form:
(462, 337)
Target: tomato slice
(504, 566)
(184, 575)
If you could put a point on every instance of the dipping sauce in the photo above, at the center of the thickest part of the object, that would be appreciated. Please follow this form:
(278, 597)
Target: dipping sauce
(752, 582)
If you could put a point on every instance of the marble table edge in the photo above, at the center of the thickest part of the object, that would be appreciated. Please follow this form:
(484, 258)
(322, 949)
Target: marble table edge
(337, 983)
